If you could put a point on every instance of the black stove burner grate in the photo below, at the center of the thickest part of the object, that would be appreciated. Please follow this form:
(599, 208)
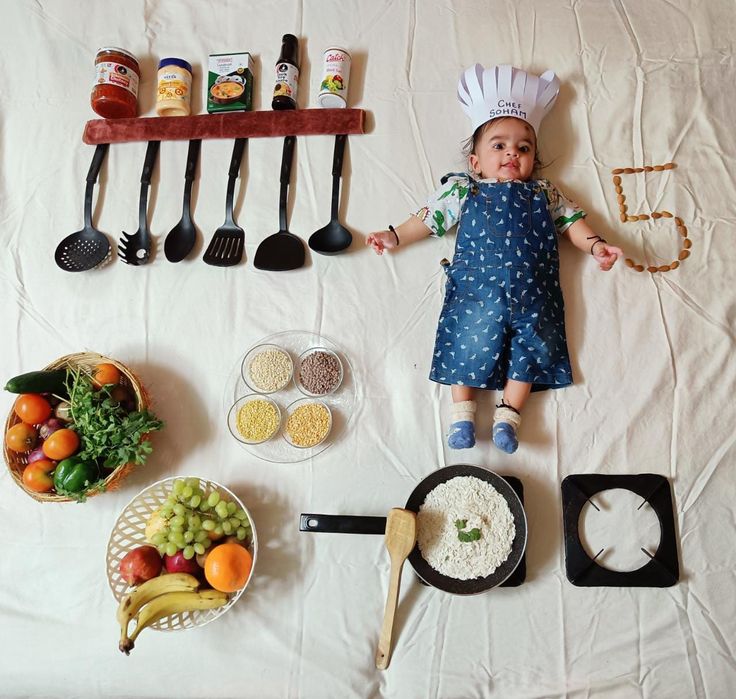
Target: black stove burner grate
(662, 570)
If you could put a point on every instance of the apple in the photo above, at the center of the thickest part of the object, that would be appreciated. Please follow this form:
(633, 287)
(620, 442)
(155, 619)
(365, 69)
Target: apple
(178, 564)
(140, 564)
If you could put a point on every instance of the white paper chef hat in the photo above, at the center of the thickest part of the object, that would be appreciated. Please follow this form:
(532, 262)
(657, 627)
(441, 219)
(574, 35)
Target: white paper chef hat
(506, 91)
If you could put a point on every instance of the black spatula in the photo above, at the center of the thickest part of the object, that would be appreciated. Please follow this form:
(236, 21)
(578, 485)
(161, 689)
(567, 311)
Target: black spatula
(283, 250)
(226, 247)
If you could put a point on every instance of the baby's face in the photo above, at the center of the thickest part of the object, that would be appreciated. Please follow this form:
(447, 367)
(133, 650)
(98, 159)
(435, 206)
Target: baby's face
(505, 150)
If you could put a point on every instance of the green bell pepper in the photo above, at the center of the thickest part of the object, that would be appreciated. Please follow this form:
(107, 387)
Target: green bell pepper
(73, 475)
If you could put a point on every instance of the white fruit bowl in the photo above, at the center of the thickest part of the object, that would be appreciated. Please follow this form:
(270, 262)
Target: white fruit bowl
(129, 533)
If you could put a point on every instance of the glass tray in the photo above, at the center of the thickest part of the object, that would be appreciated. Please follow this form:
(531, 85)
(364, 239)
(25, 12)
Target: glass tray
(341, 402)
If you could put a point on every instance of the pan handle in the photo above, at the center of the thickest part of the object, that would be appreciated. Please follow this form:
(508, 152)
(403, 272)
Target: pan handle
(342, 524)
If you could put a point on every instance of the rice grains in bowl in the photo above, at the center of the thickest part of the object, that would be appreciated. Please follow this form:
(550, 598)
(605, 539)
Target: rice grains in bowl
(319, 372)
(308, 423)
(267, 368)
(465, 528)
(254, 419)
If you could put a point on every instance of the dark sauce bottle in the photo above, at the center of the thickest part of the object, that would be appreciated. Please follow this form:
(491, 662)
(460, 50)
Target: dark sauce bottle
(287, 74)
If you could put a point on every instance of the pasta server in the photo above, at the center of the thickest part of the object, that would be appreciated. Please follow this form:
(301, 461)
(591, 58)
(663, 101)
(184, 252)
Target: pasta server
(89, 247)
(226, 247)
(135, 249)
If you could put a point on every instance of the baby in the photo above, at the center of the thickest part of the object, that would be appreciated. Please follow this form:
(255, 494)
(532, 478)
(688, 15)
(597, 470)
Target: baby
(502, 324)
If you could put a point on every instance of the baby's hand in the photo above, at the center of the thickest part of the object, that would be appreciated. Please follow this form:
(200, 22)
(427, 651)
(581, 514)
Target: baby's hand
(606, 255)
(380, 241)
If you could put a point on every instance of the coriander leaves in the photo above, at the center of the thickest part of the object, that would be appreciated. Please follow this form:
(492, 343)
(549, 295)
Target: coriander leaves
(466, 536)
(109, 434)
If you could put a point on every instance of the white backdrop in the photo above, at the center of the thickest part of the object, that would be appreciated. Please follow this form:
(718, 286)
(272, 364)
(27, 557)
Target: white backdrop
(642, 83)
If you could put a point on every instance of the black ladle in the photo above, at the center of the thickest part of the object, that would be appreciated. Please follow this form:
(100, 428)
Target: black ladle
(89, 247)
(283, 250)
(334, 237)
(181, 238)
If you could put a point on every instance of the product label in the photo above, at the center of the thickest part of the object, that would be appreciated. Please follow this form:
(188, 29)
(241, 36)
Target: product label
(335, 76)
(287, 76)
(229, 82)
(116, 74)
(173, 85)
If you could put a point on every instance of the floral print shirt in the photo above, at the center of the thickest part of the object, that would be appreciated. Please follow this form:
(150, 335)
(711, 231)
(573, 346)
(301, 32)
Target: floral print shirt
(443, 208)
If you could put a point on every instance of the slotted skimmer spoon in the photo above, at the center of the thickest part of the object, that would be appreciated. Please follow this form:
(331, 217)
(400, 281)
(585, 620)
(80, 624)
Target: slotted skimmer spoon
(136, 249)
(401, 535)
(89, 247)
(181, 238)
(334, 237)
(283, 250)
(226, 247)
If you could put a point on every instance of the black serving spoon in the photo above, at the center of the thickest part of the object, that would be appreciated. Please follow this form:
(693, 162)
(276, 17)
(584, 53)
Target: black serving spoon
(181, 238)
(283, 250)
(89, 247)
(334, 237)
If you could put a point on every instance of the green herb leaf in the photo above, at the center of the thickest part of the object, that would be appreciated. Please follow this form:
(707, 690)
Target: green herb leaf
(108, 434)
(472, 535)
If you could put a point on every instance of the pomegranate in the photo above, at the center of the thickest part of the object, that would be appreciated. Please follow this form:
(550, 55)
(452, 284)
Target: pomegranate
(140, 564)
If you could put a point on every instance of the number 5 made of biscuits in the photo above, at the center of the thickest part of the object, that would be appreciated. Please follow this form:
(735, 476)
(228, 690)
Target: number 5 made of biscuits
(629, 218)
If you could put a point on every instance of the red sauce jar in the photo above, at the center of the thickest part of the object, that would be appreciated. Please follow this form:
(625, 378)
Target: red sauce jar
(115, 94)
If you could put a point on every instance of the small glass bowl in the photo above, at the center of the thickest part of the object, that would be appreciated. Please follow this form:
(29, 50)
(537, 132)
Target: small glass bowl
(291, 409)
(297, 371)
(232, 417)
(248, 360)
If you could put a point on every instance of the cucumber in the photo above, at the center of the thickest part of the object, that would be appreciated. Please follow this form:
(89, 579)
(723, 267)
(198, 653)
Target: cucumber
(50, 381)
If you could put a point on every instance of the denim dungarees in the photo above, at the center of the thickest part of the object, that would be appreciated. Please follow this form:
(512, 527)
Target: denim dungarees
(503, 316)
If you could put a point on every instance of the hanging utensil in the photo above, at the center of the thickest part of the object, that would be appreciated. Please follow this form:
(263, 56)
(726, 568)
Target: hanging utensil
(334, 237)
(181, 238)
(89, 247)
(348, 524)
(136, 249)
(283, 250)
(401, 535)
(226, 247)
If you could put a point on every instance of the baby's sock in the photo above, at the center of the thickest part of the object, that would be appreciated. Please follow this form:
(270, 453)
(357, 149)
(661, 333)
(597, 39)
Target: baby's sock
(506, 422)
(462, 425)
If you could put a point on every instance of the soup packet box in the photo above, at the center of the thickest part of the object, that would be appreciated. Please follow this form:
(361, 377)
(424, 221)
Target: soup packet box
(229, 82)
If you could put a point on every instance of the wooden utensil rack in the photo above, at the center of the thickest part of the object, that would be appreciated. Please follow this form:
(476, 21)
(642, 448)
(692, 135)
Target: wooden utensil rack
(299, 122)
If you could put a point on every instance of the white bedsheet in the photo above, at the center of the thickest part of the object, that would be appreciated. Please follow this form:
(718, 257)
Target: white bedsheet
(642, 83)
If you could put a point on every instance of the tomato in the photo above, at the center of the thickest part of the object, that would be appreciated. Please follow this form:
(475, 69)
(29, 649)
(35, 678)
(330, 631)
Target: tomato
(21, 437)
(32, 408)
(61, 444)
(36, 476)
(105, 374)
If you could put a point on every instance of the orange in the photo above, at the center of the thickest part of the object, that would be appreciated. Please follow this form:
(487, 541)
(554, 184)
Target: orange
(105, 374)
(61, 444)
(227, 567)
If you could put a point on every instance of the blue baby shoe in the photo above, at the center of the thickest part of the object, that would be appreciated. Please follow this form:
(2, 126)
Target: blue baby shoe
(504, 437)
(461, 435)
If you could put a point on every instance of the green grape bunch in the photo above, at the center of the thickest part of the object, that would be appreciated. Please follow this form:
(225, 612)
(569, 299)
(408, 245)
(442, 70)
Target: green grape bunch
(190, 518)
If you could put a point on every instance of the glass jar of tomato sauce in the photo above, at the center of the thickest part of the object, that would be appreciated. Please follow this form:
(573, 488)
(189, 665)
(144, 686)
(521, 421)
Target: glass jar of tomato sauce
(115, 94)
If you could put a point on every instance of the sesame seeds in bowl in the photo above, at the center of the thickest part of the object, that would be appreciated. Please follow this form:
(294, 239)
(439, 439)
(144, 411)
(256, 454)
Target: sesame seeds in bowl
(267, 368)
(308, 423)
(318, 372)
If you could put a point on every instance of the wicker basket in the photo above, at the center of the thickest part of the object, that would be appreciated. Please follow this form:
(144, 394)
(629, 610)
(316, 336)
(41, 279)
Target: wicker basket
(87, 361)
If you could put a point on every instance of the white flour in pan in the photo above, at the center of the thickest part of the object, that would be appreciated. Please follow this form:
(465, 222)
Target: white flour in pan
(482, 507)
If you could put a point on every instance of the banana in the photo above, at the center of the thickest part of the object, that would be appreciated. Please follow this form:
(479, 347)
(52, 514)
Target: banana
(132, 603)
(171, 603)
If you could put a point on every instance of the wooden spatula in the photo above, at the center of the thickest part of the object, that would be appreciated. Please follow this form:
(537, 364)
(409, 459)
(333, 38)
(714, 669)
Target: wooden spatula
(401, 535)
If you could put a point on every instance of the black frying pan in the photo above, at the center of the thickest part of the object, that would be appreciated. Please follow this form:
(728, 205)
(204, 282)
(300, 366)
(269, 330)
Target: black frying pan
(376, 525)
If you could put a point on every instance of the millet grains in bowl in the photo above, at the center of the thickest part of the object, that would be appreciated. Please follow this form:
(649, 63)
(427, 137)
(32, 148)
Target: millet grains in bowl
(319, 372)
(270, 370)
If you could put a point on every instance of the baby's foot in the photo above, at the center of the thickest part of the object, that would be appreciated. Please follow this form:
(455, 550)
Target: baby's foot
(504, 437)
(461, 435)
(506, 422)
